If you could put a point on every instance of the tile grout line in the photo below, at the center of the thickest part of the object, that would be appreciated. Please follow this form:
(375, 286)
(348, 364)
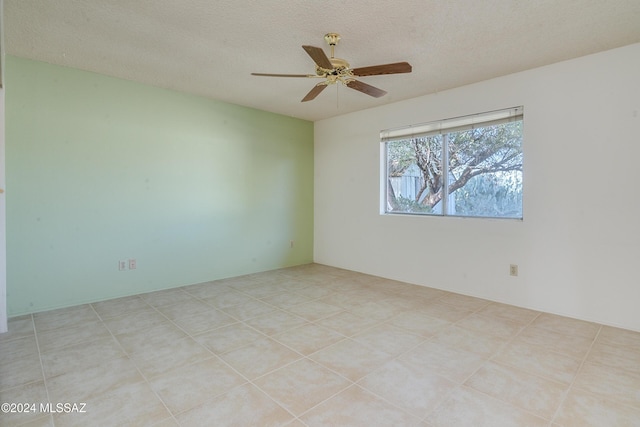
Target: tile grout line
(303, 356)
(508, 342)
(575, 377)
(219, 358)
(565, 393)
(488, 359)
(429, 339)
(560, 402)
(44, 376)
(134, 364)
(356, 383)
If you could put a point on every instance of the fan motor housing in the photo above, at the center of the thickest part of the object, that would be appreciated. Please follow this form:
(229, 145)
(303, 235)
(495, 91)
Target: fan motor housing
(339, 63)
(340, 67)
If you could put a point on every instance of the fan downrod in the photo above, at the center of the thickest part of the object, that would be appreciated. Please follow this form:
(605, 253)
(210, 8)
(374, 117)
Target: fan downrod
(332, 40)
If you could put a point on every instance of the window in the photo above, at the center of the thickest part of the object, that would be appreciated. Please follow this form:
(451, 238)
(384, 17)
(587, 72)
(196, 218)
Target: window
(477, 159)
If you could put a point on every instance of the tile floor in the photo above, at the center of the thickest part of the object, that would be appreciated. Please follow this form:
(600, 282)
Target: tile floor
(316, 346)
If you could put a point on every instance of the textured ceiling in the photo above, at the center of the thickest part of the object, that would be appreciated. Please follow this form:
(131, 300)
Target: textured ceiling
(210, 47)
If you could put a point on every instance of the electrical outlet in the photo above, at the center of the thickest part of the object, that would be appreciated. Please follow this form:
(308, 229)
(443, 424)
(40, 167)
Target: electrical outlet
(513, 269)
(132, 264)
(122, 265)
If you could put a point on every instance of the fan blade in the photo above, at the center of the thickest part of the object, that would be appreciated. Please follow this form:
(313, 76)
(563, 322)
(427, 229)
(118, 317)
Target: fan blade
(375, 70)
(365, 88)
(314, 92)
(283, 75)
(319, 57)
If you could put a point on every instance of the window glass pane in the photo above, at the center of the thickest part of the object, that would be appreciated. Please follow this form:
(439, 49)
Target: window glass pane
(414, 175)
(497, 194)
(485, 171)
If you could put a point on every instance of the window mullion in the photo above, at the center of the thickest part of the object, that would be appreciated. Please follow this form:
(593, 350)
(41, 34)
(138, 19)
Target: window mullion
(445, 174)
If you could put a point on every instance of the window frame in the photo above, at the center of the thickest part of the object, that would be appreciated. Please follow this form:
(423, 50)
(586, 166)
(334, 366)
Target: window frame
(445, 127)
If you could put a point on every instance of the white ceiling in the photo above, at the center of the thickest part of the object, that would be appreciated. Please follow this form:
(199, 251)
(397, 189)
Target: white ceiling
(210, 47)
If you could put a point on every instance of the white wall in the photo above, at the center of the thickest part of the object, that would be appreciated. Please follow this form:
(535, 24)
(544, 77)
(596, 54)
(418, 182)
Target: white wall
(578, 247)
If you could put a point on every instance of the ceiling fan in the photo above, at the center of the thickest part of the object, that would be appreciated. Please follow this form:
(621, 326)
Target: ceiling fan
(334, 70)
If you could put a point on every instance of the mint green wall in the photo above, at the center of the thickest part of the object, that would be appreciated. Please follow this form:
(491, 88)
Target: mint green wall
(100, 169)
